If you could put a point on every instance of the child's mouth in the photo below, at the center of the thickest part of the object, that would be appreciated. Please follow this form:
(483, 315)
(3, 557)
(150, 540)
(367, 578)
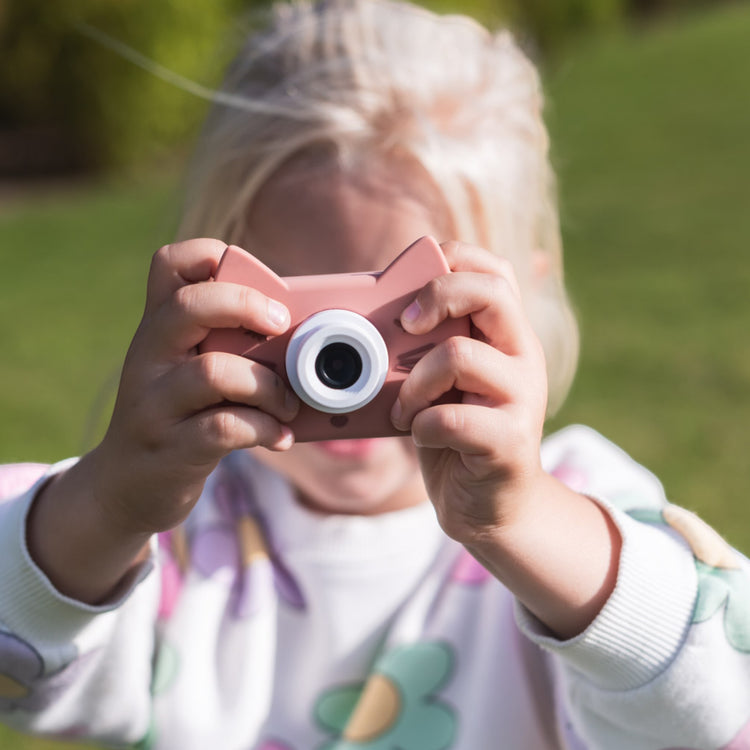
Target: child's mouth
(354, 449)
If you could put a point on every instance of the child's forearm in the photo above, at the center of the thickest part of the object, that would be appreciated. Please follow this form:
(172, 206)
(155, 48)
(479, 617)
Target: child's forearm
(559, 557)
(85, 554)
(177, 413)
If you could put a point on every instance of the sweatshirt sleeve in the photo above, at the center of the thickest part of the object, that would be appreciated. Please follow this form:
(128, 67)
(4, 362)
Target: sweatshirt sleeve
(68, 669)
(666, 663)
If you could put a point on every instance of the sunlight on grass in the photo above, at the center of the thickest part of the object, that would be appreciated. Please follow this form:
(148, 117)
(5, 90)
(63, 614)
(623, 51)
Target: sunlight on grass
(650, 133)
(70, 299)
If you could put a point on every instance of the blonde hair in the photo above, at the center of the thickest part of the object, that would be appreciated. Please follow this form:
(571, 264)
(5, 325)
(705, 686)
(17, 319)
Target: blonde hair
(358, 79)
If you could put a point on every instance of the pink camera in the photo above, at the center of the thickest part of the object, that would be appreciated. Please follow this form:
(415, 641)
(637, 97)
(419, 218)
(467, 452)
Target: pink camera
(345, 353)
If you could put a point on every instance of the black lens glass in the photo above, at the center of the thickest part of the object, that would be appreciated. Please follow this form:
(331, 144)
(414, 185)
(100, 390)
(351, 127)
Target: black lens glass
(338, 365)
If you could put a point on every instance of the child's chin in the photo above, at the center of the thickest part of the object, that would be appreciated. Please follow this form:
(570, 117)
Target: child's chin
(361, 493)
(365, 476)
(350, 505)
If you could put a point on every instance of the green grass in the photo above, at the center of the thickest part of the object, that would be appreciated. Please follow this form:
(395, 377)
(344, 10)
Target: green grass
(650, 134)
(650, 141)
(71, 293)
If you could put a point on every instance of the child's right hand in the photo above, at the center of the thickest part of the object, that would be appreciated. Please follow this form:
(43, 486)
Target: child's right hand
(177, 414)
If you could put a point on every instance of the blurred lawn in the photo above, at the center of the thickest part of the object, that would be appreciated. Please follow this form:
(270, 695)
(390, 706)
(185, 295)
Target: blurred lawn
(650, 134)
(650, 137)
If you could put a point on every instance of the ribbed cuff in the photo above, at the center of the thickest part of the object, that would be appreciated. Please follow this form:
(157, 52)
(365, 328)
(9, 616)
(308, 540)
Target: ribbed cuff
(29, 603)
(645, 620)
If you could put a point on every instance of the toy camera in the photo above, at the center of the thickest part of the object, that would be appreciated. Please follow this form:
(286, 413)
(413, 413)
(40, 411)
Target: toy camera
(345, 353)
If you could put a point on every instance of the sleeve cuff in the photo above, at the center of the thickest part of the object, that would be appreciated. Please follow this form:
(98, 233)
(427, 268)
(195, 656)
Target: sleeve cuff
(643, 624)
(29, 603)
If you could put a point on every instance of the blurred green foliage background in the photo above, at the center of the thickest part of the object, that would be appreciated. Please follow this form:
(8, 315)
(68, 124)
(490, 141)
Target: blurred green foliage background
(649, 116)
(71, 99)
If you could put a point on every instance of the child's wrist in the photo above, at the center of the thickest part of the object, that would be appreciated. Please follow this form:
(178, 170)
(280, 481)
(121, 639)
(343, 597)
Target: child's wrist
(106, 496)
(559, 554)
(78, 547)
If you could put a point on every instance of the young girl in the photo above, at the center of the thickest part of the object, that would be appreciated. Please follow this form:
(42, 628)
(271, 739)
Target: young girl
(464, 586)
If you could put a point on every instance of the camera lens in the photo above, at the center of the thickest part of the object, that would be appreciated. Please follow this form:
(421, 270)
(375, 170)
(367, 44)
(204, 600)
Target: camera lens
(338, 365)
(336, 361)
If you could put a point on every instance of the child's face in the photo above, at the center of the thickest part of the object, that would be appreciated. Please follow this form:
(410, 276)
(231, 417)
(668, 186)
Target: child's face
(321, 221)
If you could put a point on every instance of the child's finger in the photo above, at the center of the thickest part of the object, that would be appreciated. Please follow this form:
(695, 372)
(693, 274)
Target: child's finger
(185, 320)
(215, 432)
(466, 364)
(215, 378)
(464, 257)
(466, 428)
(490, 300)
(181, 263)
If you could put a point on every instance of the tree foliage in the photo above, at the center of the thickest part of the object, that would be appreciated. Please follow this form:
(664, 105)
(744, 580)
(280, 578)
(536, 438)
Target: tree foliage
(62, 77)
(71, 93)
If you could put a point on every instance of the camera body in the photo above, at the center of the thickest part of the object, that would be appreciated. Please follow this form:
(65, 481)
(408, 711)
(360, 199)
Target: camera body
(345, 353)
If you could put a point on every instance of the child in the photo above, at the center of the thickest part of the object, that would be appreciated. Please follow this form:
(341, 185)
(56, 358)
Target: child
(457, 587)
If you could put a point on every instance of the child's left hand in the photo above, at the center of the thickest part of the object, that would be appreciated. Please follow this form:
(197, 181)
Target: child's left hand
(480, 458)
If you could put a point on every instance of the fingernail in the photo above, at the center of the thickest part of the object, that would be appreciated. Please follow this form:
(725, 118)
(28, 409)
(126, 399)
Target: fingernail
(286, 439)
(277, 313)
(396, 412)
(412, 312)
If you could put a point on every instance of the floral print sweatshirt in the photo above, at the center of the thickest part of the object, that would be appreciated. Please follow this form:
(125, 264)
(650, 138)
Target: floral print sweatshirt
(260, 625)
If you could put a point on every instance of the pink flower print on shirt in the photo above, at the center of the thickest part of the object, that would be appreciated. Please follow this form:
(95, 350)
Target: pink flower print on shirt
(468, 572)
(173, 558)
(741, 741)
(571, 475)
(274, 745)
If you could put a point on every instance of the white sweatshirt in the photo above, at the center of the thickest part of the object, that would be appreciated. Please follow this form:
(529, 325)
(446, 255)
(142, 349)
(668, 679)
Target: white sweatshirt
(260, 625)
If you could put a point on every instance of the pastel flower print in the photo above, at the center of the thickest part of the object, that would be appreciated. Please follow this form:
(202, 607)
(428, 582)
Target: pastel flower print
(21, 665)
(22, 682)
(173, 556)
(259, 562)
(397, 707)
(722, 585)
(727, 590)
(571, 475)
(468, 572)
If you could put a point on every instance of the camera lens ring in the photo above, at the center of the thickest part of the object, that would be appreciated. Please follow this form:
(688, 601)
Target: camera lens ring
(338, 365)
(343, 328)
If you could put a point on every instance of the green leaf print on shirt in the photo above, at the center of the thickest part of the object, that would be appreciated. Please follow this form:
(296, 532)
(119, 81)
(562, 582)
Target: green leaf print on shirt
(721, 588)
(396, 707)
(722, 583)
